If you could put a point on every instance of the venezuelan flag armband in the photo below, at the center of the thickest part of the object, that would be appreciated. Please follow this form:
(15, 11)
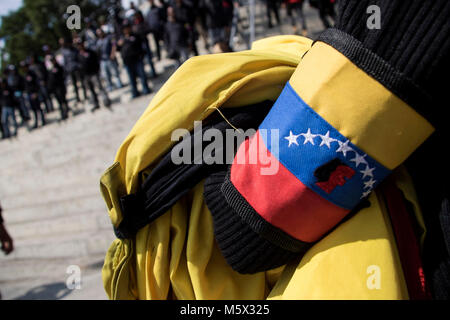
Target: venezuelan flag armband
(331, 137)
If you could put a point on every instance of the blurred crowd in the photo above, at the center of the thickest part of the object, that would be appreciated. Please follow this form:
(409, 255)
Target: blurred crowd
(92, 59)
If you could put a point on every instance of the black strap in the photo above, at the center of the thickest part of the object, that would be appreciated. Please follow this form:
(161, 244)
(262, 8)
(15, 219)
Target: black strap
(168, 182)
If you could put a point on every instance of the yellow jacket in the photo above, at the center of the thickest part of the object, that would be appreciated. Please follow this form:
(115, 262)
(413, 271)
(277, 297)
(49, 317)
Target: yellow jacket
(176, 257)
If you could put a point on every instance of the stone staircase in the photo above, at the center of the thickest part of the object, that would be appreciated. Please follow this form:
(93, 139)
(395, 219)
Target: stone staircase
(49, 189)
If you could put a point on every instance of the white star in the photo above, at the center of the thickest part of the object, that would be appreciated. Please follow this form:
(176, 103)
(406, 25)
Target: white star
(344, 148)
(292, 138)
(326, 140)
(365, 194)
(359, 159)
(308, 137)
(369, 184)
(367, 172)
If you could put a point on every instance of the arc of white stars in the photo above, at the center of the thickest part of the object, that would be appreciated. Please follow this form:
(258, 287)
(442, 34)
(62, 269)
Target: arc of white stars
(344, 148)
(292, 138)
(309, 137)
(327, 140)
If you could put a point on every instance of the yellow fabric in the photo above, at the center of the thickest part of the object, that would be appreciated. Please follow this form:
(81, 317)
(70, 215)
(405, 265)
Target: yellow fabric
(373, 118)
(193, 91)
(176, 256)
(337, 267)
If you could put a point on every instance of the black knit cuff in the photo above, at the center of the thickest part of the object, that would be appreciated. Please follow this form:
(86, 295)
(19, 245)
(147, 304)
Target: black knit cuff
(249, 244)
(273, 234)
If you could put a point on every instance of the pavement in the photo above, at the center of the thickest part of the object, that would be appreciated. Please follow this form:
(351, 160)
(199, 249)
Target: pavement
(49, 188)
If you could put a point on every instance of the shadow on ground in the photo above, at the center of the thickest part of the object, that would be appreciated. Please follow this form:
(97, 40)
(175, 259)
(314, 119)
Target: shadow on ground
(52, 291)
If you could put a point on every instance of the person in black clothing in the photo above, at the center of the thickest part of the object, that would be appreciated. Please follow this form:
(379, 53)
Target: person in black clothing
(228, 8)
(57, 86)
(272, 6)
(326, 11)
(130, 46)
(155, 20)
(32, 90)
(72, 66)
(38, 67)
(140, 28)
(217, 20)
(9, 103)
(185, 14)
(133, 7)
(108, 65)
(1, 125)
(88, 34)
(1, 108)
(414, 44)
(5, 239)
(175, 38)
(90, 66)
(16, 83)
(1, 111)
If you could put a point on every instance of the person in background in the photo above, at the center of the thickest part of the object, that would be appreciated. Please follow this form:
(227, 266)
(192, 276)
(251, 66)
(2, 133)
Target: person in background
(175, 38)
(1, 124)
(5, 239)
(70, 57)
(272, 6)
(326, 10)
(295, 8)
(135, 9)
(155, 19)
(9, 104)
(140, 28)
(57, 86)
(32, 92)
(88, 34)
(16, 83)
(47, 53)
(201, 25)
(216, 21)
(90, 66)
(130, 47)
(106, 26)
(228, 8)
(108, 67)
(185, 14)
(38, 67)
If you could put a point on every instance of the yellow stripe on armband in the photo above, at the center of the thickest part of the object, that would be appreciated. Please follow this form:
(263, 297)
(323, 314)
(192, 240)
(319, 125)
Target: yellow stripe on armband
(358, 106)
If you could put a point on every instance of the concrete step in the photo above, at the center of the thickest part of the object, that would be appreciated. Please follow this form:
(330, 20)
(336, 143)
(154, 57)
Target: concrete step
(40, 215)
(72, 245)
(62, 224)
(13, 270)
(33, 196)
(113, 128)
(54, 152)
(76, 127)
(59, 180)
